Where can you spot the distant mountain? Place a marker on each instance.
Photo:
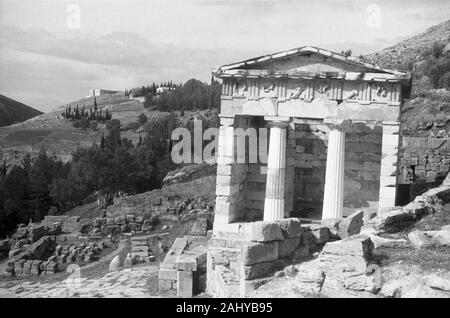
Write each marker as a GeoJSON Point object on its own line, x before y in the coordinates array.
{"type": "Point", "coordinates": [12, 111]}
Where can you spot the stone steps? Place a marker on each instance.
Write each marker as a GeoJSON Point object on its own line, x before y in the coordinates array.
{"type": "Point", "coordinates": [139, 246]}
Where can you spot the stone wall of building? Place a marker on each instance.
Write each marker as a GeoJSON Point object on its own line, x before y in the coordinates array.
{"type": "Point", "coordinates": [362, 168]}
{"type": "Point", "coordinates": [424, 163]}
{"type": "Point", "coordinates": [239, 263]}
{"type": "Point", "coordinates": [306, 159]}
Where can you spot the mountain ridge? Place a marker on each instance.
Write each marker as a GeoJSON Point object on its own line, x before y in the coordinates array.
{"type": "Point", "coordinates": [13, 112]}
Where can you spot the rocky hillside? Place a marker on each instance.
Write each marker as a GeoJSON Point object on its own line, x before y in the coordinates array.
{"type": "Point", "coordinates": [410, 51]}
{"type": "Point", "coordinates": [427, 115]}
{"type": "Point", "coordinates": [427, 111]}
{"type": "Point", "coordinates": [12, 111]}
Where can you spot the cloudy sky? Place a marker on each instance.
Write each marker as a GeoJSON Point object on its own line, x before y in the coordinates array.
{"type": "Point", "coordinates": [65, 43]}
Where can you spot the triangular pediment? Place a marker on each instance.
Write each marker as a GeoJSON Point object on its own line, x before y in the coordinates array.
{"type": "Point", "coordinates": [307, 60]}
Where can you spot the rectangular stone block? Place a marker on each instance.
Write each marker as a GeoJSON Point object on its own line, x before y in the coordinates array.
{"type": "Point", "coordinates": [184, 263]}
{"type": "Point", "coordinates": [254, 253]}
{"type": "Point", "coordinates": [287, 246]}
{"type": "Point", "coordinates": [227, 190]}
{"type": "Point", "coordinates": [185, 284]}
{"type": "Point", "coordinates": [225, 170]}
{"type": "Point", "coordinates": [169, 262]}
{"type": "Point", "coordinates": [167, 274]}
{"type": "Point", "coordinates": [166, 285]}
{"type": "Point", "coordinates": [265, 232]}
{"type": "Point", "coordinates": [259, 270]}
{"type": "Point", "coordinates": [290, 227]}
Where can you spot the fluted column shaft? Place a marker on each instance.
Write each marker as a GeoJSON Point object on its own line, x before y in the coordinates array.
{"type": "Point", "coordinates": [333, 201]}
{"type": "Point", "coordinates": [276, 171]}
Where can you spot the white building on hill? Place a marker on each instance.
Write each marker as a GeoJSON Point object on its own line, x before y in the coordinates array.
{"type": "Point", "coordinates": [99, 91]}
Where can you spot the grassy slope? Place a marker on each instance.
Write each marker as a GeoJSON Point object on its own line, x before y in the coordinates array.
{"type": "Point", "coordinates": [59, 136]}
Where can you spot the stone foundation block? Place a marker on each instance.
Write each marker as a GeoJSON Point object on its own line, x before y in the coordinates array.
{"type": "Point", "coordinates": [290, 227]}
{"type": "Point", "coordinates": [288, 246]}
{"type": "Point", "coordinates": [167, 274]}
{"type": "Point", "coordinates": [185, 284]}
{"type": "Point", "coordinates": [254, 253]}
{"type": "Point", "coordinates": [248, 286]}
{"type": "Point", "coordinates": [265, 232]}
{"type": "Point", "coordinates": [184, 263]}
{"type": "Point", "coordinates": [165, 285]}
{"type": "Point", "coordinates": [353, 246]}
{"type": "Point", "coordinates": [261, 270]}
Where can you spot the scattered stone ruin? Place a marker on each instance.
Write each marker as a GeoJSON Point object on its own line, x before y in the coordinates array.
{"type": "Point", "coordinates": [183, 270]}
{"type": "Point", "coordinates": [40, 249]}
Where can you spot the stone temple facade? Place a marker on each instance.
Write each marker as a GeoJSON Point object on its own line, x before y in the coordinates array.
{"type": "Point", "coordinates": [333, 137]}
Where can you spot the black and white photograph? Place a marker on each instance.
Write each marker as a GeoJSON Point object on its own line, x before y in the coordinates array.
{"type": "Point", "coordinates": [224, 154]}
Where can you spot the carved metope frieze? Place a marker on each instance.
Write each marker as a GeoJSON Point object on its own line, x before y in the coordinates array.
{"type": "Point", "coordinates": [298, 92]}
{"type": "Point", "coordinates": [352, 95]}
{"type": "Point", "coordinates": [330, 89]}
{"type": "Point", "coordinates": [387, 92]}
{"type": "Point", "coordinates": [304, 90]}
{"type": "Point", "coordinates": [381, 91]}
{"type": "Point", "coordinates": [269, 87]}
{"type": "Point", "coordinates": [324, 88]}
{"type": "Point", "coordinates": [241, 87]}
{"type": "Point", "coordinates": [307, 90]}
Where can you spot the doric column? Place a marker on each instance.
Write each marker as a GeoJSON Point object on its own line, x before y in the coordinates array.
{"type": "Point", "coordinates": [389, 161]}
{"type": "Point", "coordinates": [333, 200]}
{"type": "Point", "coordinates": [276, 169]}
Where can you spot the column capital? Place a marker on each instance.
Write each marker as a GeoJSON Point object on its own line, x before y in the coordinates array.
{"type": "Point", "coordinates": [278, 121]}
{"type": "Point", "coordinates": [344, 125]}
{"type": "Point", "coordinates": [226, 120]}
{"type": "Point", "coordinates": [390, 123]}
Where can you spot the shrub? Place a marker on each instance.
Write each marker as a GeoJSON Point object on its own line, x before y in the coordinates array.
{"type": "Point", "coordinates": [93, 125]}
{"type": "Point", "coordinates": [76, 124]}
{"type": "Point", "coordinates": [444, 81]}
{"type": "Point", "coordinates": [154, 220]}
{"type": "Point", "coordinates": [142, 119]}
{"type": "Point", "coordinates": [84, 123]}
{"type": "Point", "coordinates": [133, 126]}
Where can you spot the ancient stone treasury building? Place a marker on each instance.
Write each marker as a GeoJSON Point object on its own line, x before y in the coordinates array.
{"type": "Point", "coordinates": [333, 127]}
{"type": "Point", "coordinates": [333, 136]}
